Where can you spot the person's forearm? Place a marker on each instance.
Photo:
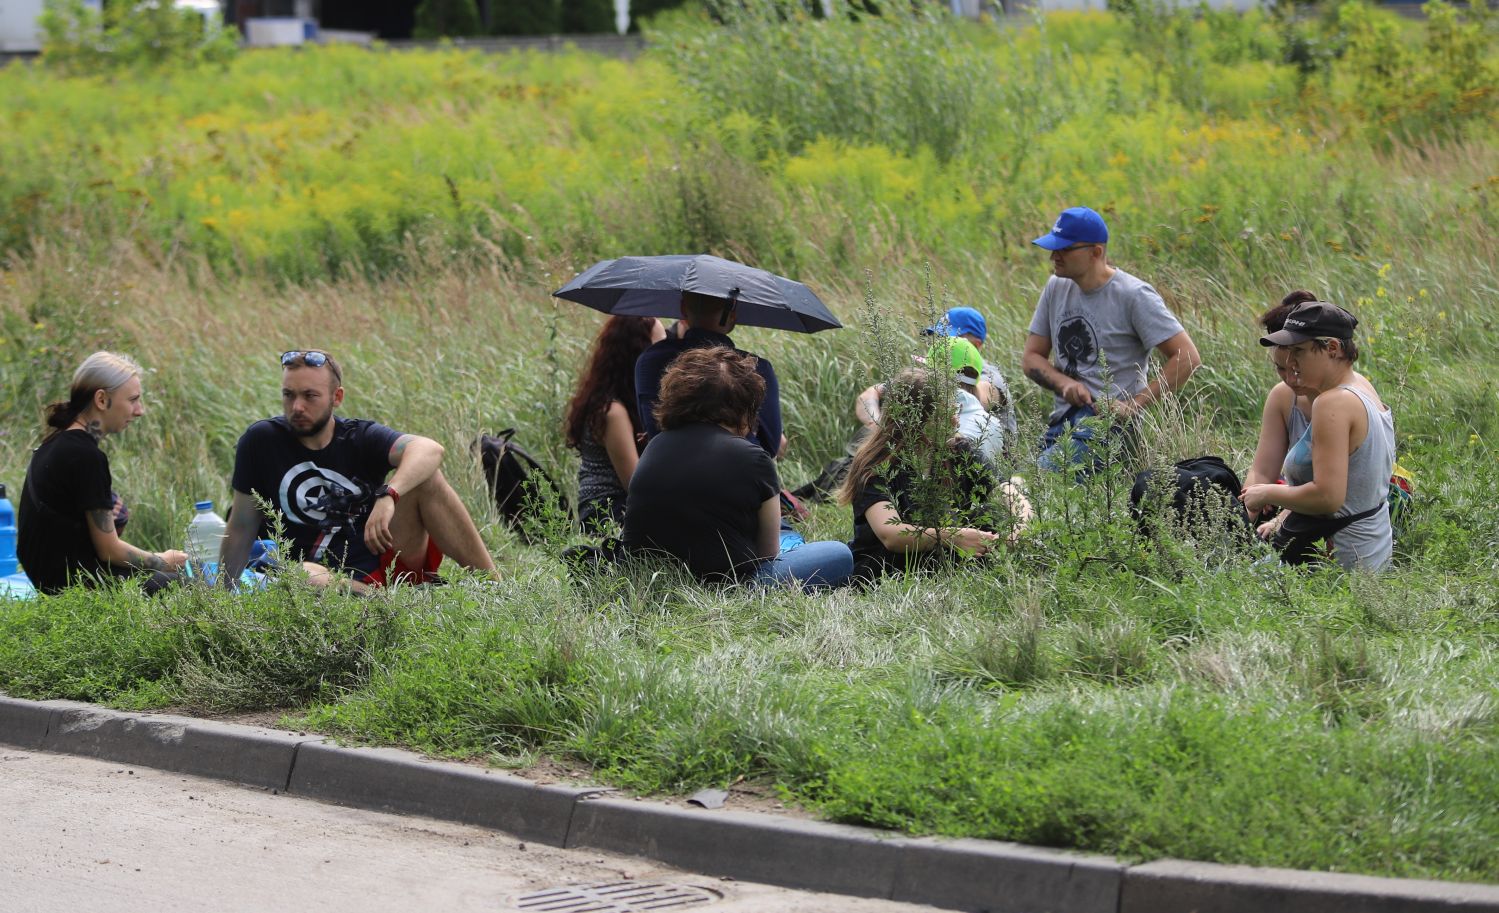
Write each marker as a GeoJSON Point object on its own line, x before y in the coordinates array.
{"type": "Point", "coordinates": [1305, 499]}
{"type": "Point", "coordinates": [234, 554]}
{"type": "Point", "coordinates": [418, 461]}
{"type": "Point", "coordinates": [906, 538]}
{"type": "Point", "coordinates": [116, 552]}
{"type": "Point", "coordinates": [1174, 375]}
{"type": "Point", "coordinates": [1042, 372]}
{"type": "Point", "coordinates": [138, 559]}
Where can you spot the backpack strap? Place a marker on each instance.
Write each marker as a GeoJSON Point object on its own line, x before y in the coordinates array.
{"type": "Point", "coordinates": [1300, 532]}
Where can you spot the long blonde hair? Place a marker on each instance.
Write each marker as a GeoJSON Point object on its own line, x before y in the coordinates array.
{"type": "Point", "coordinates": [105, 371]}
{"type": "Point", "coordinates": [916, 411]}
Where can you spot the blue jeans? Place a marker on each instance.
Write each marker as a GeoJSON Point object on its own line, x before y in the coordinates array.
{"type": "Point", "coordinates": [1068, 443]}
{"type": "Point", "coordinates": [816, 565]}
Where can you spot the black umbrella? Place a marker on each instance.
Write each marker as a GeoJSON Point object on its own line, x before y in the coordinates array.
{"type": "Point", "coordinates": [653, 287]}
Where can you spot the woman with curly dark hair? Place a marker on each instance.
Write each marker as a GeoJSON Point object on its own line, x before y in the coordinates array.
{"type": "Point", "coordinates": [602, 424]}
{"type": "Point", "coordinates": [706, 496]}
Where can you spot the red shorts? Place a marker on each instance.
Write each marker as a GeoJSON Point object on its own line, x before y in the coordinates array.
{"type": "Point", "coordinates": [381, 576]}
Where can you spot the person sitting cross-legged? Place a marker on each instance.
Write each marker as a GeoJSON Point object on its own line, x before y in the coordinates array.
{"type": "Point", "coordinates": [706, 496]}
{"type": "Point", "coordinates": [919, 492]}
{"type": "Point", "coordinates": [68, 529]}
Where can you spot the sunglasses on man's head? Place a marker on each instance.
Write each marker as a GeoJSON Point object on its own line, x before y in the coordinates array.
{"type": "Point", "coordinates": [313, 359]}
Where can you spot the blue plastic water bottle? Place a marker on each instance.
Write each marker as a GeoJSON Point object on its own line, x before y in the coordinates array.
{"type": "Point", "coordinates": [7, 535]}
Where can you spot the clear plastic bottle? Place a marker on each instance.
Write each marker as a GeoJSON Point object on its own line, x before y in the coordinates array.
{"type": "Point", "coordinates": [205, 533]}
{"type": "Point", "coordinates": [7, 535]}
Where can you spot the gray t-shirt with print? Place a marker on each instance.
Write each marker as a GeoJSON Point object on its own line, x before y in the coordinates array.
{"type": "Point", "coordinates": [1103, 334]}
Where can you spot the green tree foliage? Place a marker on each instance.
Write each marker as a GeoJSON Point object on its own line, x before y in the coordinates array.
{"type": "Point", "coordinates": [152, 35]}
{"type": "Point", "coordinates": [447, 19]}
{"type": "Point", "coordinates": [526, 17]}
{"type": "Point", "coordinates": [641, 9]}
{"type": "Point", "coordinates": [584, 16]}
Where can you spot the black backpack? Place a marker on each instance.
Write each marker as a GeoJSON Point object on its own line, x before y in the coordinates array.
{"type": "Point", "coordinates": [1204, 489]}
{"type": "Point", "coordinates": [522, 489]}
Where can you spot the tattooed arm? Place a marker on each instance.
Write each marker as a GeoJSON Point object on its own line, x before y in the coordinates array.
{"type": "Point", "coordinates": [416, 460]}
{"type": "Point", "coordinates": [116, 551]}
{"type": "Point", "coordinates": [1036, 362]}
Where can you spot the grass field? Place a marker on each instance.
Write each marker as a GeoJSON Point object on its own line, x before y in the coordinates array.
{"type": "Point", "coordinates": [1093, 688]}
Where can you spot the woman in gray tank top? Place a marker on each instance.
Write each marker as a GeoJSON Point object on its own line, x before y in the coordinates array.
{"type": "Point", "coordinates": [1287, 411]}
{"type": "Point", "coordinates": [1337, 474]}
{"type": "Point", "coordinates": [601, 422]}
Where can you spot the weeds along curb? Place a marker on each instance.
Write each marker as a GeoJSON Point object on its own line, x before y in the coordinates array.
{"type": "Point", "coordinates": [977, 875]}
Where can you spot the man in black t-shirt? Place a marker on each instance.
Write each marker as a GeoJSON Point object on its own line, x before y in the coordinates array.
{"type": "Point", "coordinates": [706, 321]}
{"type": "Point", "coordinates": [326, 479]}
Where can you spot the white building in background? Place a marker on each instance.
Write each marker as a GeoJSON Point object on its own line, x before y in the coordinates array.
{"type": "Point", "coordinates": [20, 21]}
{"type": "Point", "coordinates": [20, 31]}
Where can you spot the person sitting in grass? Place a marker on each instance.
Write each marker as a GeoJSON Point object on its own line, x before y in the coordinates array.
{"type": "Point", "coordinates": [920, 495]}
{"type": "Point", "coordinates": [1090, 340]}
{"type": "Point", "coordinates": [1287, 411]}
{"type": "Point", "coordinates": [1338, 473]}
{"type": "Point", "coordinates": [66, 524]}
{"type": "Point", "coordinates": [325, 478]}
{"type": "Point", "coordinates": [977, 424]}
{"type": "Point", "coordinates": [706, 496]}
{"type": "Point", "coordinates": [991, 390]}
{"type": "Point", "coordinates": [986, 428]}
{"type": "Point", "coordinates": [602, 424]}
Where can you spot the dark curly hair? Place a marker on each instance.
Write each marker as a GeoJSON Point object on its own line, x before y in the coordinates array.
{"type": "Point", "coordinates": [714, 385]}
{"type": "Point", "coordinates": [610, 376]}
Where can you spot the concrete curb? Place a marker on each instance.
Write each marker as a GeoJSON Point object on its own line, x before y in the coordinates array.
{"type": "Point", "coordinates": [1172, 884]}
{"type": "Point", "coordinates": [787, 852]}
{"type": "Point", "coordinates": [243, 754]}
{"type": "Point", "coordinates": [386, 779]}
{"type": "Point", "coordinates": [977, 875]}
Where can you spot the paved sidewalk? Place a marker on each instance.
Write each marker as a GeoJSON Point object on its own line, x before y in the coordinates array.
{"type": "Point", "coordinates": [82, 835]}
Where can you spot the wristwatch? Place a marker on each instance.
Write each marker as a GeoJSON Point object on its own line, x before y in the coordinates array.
{"type": "Point", "coordinates": [386, 491]}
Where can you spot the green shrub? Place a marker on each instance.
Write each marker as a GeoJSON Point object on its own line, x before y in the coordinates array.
{"type": "Point", "coordinates": [149, 34]}
{"type": "Point", "coordinates": [446, 19]}
{"type": "Point", "coordinates": [525, 17]}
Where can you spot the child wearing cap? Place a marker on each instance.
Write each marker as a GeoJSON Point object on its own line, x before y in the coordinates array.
{"type": "Point", "coordinates": [992, 391]}
{"type": "Point", "coordinates": [978, 425]}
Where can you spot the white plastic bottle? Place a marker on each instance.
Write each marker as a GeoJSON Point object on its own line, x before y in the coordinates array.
{"type": "Point", "coordinates": [205, 533]}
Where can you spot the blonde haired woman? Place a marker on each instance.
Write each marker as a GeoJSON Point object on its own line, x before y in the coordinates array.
{"type": "Point", "coordinates": [893, 529]}
{"type": "Point", "coordinates": [65, 524]}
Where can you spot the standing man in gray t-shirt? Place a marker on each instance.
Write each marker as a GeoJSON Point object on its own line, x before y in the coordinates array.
{"type": "Point", "coordinates": [1101, 322]}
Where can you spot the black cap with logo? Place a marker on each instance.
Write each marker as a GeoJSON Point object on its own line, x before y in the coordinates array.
{"type": "Point", "coordinates": [1313, 320]}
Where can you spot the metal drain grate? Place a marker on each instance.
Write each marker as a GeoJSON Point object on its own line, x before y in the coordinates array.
{"type": "Point", "coordinates": [616, 897]}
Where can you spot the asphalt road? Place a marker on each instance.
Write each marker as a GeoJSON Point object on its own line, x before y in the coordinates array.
{"type": "Point", "coordinates": [81, 835]}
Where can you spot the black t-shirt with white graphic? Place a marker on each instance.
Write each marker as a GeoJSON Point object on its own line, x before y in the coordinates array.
{"type": "Point", "coordinates": [68, 477]}
{"type": "Point", "coordinates": [324, 496]}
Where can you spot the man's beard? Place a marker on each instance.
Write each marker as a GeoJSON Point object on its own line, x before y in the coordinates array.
{"type": "Point", "coordinates": [314, 429]}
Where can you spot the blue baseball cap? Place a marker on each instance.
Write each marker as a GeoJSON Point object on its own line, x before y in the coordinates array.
{"type": "Point", "coordinates": [961, 322]}
{"type": "Point", "coordinates": [1078, 225]}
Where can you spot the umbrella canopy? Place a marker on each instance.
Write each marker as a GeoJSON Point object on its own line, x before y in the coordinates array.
{"type": "Point", "coordinates": [653, 287]}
